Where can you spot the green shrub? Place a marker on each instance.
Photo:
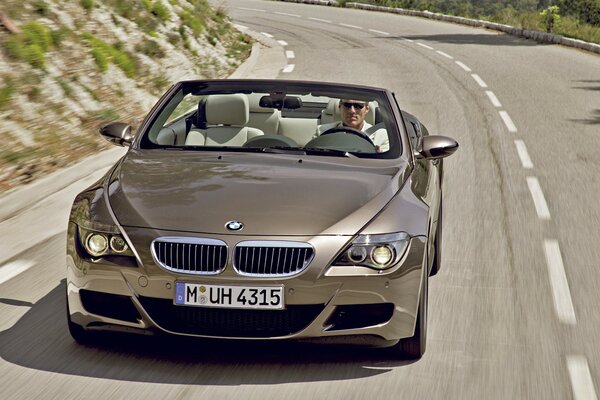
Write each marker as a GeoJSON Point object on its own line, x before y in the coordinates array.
{"type": "Point", "coordinates": [64, 86]}
{"type": "Point", "coordinates": [160, 11]}
{"type": "Point", "coordinates": [87, 4]}
{"type": "Point", "coordinates": [550, 18]}
{"type": "Point", "coordinates": [6, 93]}
{"type": "Point", "coordinates": [150, 48]}
{"type": "Point", "coordinates": [154, 34]}
{"type": "Point", "coordinates": [104, 53]}
{"type": "Point", "coordinates": [38, 34]}
{"type": "Point", "coordinates": [41, 7]}
{"type": "Point", "coordinates": [192, 21]}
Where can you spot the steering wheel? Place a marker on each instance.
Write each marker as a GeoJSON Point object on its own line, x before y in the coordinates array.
{"type": "Point", "coordinates": [347, 129]}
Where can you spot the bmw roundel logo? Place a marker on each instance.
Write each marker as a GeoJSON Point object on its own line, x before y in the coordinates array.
{"type": "Point", "coordinates": [234, 225]}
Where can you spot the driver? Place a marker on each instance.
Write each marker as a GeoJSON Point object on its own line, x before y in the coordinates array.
{"type": "Point", "coordinates": [353, 114]}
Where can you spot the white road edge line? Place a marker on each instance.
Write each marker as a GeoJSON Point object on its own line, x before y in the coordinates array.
{"type": "Point", "coordinates": [241, 27]}
{"type": "Point", "coordinates": [289, 68]}
{"type": "Point", "coordinates": [379, 32]}
{"type": "Point", "coordinates": [508, 121]}
{"type": "Point", "coordinates": [288, 14]}
{"type": "Point", "coordinates": [463, 66]}
{"type": "Point", "coordinates": [267, 34]}
{"type": "Point", "coordinates": [251, 9]}
{"type": "Point", "coordinates": [493, 98]}
{"type": "Point", "coordinates": [290, 54]}
{"type": "Point", "coordinates": [523, 154]}
{"type": "Point", "coordinates": [581, 379]}
{"type": "Point", "coordinates": [444, 54]}
{"type": "Point", "coordinates": [539, 201]}
{"type": "Point", "coordinates": [558, 280]}
{"type": "Point", "coordinates": [14, 268]}
{"type": "Point", "coordinates": [282, 42]}
{"type": "Point", "coordinates": [320, 20]}
{"type": "Point", "coordinates": [479, 81]}
{"type": "Point", "coordinates": [424, 45]}
{"type": "Point", "coordinates": [350, 26]}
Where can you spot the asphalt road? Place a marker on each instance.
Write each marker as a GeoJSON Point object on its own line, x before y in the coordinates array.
{"type": "Point", "coordinates": [513, 313]}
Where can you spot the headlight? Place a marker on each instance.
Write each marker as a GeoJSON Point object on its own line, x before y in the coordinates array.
{"type": "Point", "coordinates": [103, 242]}
{"type": "Point", "coordinates": [374, 251]}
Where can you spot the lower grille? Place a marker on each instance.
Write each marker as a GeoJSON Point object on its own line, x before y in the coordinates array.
{"type": "Point", "coordinates": [109, 305]}
{"type": "Point", "coordinates": [230, 322]}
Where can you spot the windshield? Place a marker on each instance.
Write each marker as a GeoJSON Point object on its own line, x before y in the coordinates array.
{"type": "Point", "coordinates": [312, 120]}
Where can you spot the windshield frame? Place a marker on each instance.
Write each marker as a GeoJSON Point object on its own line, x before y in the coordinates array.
{"type": "Point", "coordinates": [384, 98]}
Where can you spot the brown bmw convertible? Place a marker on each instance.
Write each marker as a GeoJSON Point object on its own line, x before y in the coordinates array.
{"type": "Point", "coordinates": [263, 210]}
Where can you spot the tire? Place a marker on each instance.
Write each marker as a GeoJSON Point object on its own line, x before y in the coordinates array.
{"type": "Point", "coordinates": [437, 247]}
{"type": "Point", "coordinates": [414, 347]}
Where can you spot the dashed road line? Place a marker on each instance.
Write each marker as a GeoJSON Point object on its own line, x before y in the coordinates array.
{"type": "Point", "coordinates": [463, 66]}
{"type": "Point", "coordinates": [539, 201]}
{"type": "Point", "coordinates": [479, 81]}
{"type": "Point", "coordinates": [251, 9]}
{"type": "Point", "coordinates": [424, 45]}
{"type": "Point", "coordinates": [14, 268]}
{"type": "Point", "coordinates": [510, 125]}
{"type": "Point", "coordinates": [350, 26]}
{"type": "Point", "coordinates": [282, 42]}
{"type": "Point", "coordinates": [267, 34]}
{"type": "Point", "coordinates": [288, 14]}
{"type": "Point", "coordinates": [408, 40]}
{"type": "Point", "coordinates": [289, 68]}
{"type": "Point", "coordinates": [581, 378]}
{"type": "Point", "coordinates": [493, 98]}
{"type": "Point", "coordinates": [290, 54]}
{"type": "Point", "coordinates": [523, 154]}
{"type": "Point", "coordinates": [320, 20]}
{"type": "Point", "coordinates": [558, 281]}
{"type": "Point", "coordinates": [444, 54]}
{"type": "Point", "coordinates": [379, 32]}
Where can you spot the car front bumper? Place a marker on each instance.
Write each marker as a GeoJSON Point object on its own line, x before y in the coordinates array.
{"type": "Point", "coordinates": [319, 302]}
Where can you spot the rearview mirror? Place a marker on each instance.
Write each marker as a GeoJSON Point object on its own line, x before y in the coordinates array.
{"type": "Point", "coordinates": [435, 146]}
{"type": "Point", "coordinates": [117, 133]}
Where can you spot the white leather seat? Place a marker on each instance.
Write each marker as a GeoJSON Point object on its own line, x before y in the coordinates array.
{"type": "Point", "coordinates": [226, 119]}
{"type": "Point", "coordinates": [265, 119]}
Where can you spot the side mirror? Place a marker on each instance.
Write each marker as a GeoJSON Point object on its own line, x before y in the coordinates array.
{"type": "Point", "coordinates": [117, 133]}
{"type": "Point", "coordinates": [435, 146]}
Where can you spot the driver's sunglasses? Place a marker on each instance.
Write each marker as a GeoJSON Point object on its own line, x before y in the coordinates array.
{"type": "Point", "coordinates": [357, 106]}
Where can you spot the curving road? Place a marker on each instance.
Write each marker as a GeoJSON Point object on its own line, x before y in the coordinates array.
{"type": "Point", "coordinates": [513, 313]}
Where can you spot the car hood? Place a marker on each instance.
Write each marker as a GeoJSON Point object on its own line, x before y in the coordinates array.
{"type": "Point", "coordinates": [271, 194]}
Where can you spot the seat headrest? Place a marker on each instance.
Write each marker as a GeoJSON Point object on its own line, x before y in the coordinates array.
{"type": "Point", "coordinates": [333, 110]}
{"type": "Point", "coordinates": [200, 120]}
{"type": "Point", "coordinates": [227, 109]}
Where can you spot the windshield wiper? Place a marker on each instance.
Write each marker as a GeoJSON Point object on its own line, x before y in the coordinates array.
{"type": "Point", "coordinates": [311, 151]}
{"type": "Point", "coordinates": [328, 152]}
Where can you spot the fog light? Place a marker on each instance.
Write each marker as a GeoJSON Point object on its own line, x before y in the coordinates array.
{"type": "Point", "coordinates": [382, 255]}
{"type": "Point", "coordinates": [357, 254]}
{"type": "Point", "coordinates": [96, 244]}
{"type": "Point", "coordinates": [118, 244]}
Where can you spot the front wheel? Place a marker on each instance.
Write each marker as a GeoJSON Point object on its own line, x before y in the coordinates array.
{"type": "Point", "coordinates": [414, 347]}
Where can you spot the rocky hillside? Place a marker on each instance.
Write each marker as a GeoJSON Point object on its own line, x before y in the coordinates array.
{"type": "Point", "coordinates": [68, 66]}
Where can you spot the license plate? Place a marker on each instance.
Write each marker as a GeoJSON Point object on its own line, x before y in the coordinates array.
{"type": "Point", "coordinates": [229, 296]}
